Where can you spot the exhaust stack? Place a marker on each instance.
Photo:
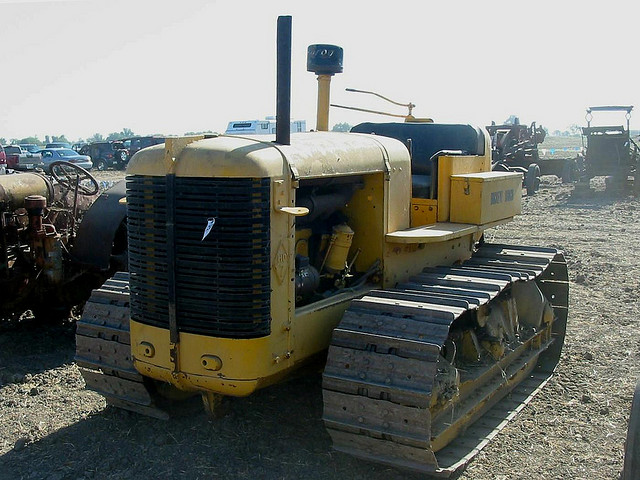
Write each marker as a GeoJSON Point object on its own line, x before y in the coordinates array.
{"type": "Point", "coordinates": [283, 81]}
{"type": "Point", "coordinates": [325, 61]}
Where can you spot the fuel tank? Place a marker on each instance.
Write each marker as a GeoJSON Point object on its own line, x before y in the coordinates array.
{"type": "Point", "coordinates": [16, 187]}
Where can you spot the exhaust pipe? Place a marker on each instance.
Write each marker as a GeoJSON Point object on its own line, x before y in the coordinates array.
{"type": "Point", "coordinates": [325, 61]}
{"type": "Point", "coordinates": [283, 81]}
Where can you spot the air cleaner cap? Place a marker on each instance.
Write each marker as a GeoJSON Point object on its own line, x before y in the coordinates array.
{"type": "Point", "coordinates": [323, 59]}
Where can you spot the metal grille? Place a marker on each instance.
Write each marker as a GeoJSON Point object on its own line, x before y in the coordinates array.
{"type": "Point", "coordinates": [222, 282]}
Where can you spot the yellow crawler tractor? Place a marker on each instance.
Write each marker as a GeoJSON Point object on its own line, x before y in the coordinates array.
{"type": "Point", "coordinates": [250, 258]}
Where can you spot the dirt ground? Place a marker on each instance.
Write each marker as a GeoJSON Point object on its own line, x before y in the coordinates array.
{"type": "Point", "coordinates": [51, 428]}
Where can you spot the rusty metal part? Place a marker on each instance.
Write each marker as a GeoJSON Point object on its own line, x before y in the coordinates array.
{"type": "Point", "coordinates": [515, 144]}
{"type": "Point", "coordinates": [390, 394]}
{"type": "Point", "coordinates": [35, 202]}
{"type": "Point", "coordinates": [407, 118]}
{"type": "Point", "coordinates": [15, 188]}
{"type": "Point", "coordinates": [35, 205]}
{"type": "Point", "coordinates": [95, 244]}
{"type": "Point", "coordinates": [103, 350]}
{"type": "Point", "coordinates": [72, 177]}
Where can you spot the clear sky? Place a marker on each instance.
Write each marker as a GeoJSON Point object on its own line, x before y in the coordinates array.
{"type": "Point", "coordinates": [96, 66]}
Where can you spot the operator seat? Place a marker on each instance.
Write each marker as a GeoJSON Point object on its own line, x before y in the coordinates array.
{"type": "Point", "coordinates": [427, 139]}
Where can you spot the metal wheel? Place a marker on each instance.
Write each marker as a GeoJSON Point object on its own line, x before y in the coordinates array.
{"type": "Point", "coordinates": [532, 179]}
{"type": "Point", "coordinates": [71, 176]}
{"type": "Point", "coordinates": [101, 165]}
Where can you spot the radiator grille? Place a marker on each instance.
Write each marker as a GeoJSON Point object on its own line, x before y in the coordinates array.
{"type": "Point", "coordinates": [222, 282]}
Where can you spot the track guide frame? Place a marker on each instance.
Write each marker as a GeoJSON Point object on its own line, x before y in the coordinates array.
{"type": "Point", "coordinates": [383, 362]}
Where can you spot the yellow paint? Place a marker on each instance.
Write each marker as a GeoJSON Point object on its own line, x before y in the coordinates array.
{"type": "Point", "coordinates": [173, 147]}
{"type": "Point", "coordinates": [314, 323]}
{"type": "Point", "coordinates": [237, 367]}
{"type": "Point", "coordinates": [424, 211]}
{"type": "Point", "coordinates": [338, 250]}
{"type": "Point", "coordinates": [241, 366]}
{"type": "Point", "coordinates": [310, 155]}
{"type": "Point", "coordinates": [364, 214]}
{"type": "Point", "coordinates": [324, 93]}
{"type": "Point", "coordinates": [244, 363]}
{"type": "Point", "coordinates": [485, 197]}
{"type": "Point", "coordinates": [302, 241]}
{"type": "Point", "coordinates": [452, 165]}
{"type": "Point", "coordinates": [380, 214]}
{"type": "Point", "coordinates": [470, 346]}
{"type": "Point", "coordinates": [403, 260]}
{"type": "Point", "coordinates": [438, 232]}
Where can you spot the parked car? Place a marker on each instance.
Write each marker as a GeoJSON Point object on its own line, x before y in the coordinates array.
{"type": "Point", "coordinates": [135, 144]}
{"type": "Point", "coordinates": [20, 159]}
{"type": "Point", "coordinates": [12, 153]}
{"type": "Point", "coordinates": [3, 161]}
{"type": "Point", "coordinates": [30, 147]}
{"type": "Point", "coordinates": [50, 155]}
{"type": "Point", "coordinates": [107, 154]}
{"type": "Point", "coordinates": [58, 145]}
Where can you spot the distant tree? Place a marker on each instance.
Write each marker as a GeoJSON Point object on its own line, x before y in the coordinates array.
{"type": "Point", "coordinates": [207, 132]}
{"type": "Point", "coordinates": [341, 127]}
{"type": "Point", "coordinates": [35, 140]}
{"type": "Point", "coordinates": [575, 130]}
{"type": "Point", "coordinates": [60, 138]}
{"type": "Point", "coordinates": [3, 141]}
{"type": "Point", "coordinates": [96, 137]}
{"type": "Point", "coordinates": [114, 136]}
{"type": "Point", "coordinates": [125, 133]}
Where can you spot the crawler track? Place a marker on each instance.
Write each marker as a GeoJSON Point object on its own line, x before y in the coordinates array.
{"type": "Point", "coordinates": [385, 361]}
{"type": "Point", "coordinates": [383, 384]}
{"type": "Point", "coordinates": [103, 350]}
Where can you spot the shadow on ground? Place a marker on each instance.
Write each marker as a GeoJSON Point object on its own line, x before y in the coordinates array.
{"type": "Point", "coordinates": [30, 347]}
{"type": "Point", "coordinates": [276, 433]}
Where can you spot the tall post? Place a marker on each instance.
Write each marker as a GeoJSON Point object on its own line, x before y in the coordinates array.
{"type": "Point", "coordinates": [283, 81]}
{"type": "Point", "coordinates": [324, 96]}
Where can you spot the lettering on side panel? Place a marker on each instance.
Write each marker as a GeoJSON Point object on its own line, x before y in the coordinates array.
{"type": "Point", "coordinates": [508, 195]}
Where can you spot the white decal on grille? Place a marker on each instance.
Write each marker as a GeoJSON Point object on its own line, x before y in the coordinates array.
{"type": "Point", "coordinates": [207, 230]}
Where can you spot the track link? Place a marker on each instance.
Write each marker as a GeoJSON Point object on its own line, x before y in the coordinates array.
{"type": "Point", "coordinates": [384, 363]}
{"type": "Point", "coordinates": [103, 350]}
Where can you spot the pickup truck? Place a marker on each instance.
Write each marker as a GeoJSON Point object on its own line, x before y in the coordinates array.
{"type": "Point", "coordinates": [3, 161]}
{"type": "Point", "coordinates": [19, 159]}
{"type": "Point", "coordinates": [30, 147]}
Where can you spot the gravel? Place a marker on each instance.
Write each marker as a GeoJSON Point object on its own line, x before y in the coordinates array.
{"type": "Point", "coordinates": [52, 428]}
